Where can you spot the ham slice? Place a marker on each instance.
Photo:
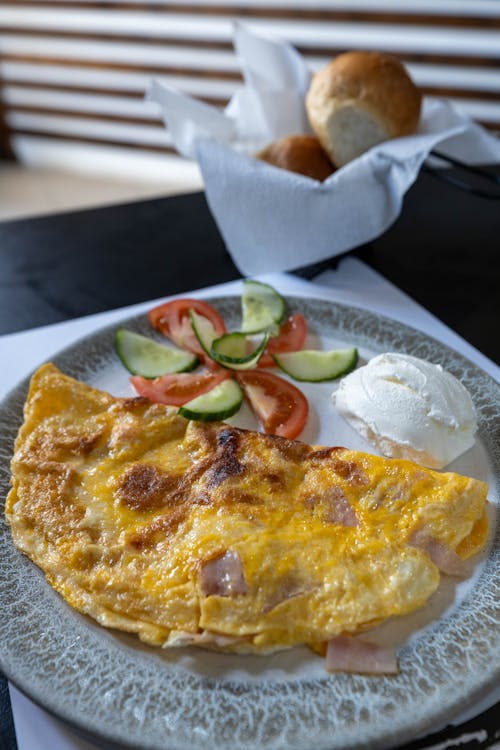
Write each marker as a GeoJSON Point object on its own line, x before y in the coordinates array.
{"type": "Point", "coordinates": [445, 558]}
{"type": "Point", "coordinates": [337, 507]}
{"type": "Point", "coordinates": [288, 588]}
{"type": "Point", "coordinates": [340, 511]}
{"type": "Point", "coordinates": [205, 638]}
{"type": "Point", "coordinates": [223, 576]}
{"type": "Point", "coordinates": [348, 654]}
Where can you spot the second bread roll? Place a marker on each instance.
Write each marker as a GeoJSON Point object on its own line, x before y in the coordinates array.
{"type": "Point", "coordinates": [361, 99]}
{"type": "Point", "coordinates": [299, 153]}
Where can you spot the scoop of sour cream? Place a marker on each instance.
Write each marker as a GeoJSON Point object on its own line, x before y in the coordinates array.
{"type": "Point", "coordinates": [409, 408]}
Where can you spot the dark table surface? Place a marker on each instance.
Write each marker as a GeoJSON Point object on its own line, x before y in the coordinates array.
{"type": "Point", "coordinates": [443, 251]}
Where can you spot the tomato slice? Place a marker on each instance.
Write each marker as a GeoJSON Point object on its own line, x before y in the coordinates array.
{"type": "Point", "coordinates": [172, 319]}
{"type": "Point", "coordinates": [179, 388]}
{"type": "Point", "coordinates": [278, 405]}
{"type": "Point", "coordinates": [291, 338]}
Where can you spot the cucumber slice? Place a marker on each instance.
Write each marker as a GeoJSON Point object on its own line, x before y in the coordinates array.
{"type": "Point", "coordinates": [220, 403]}
{"type": "Point", "coordinates": [235, 351]}
{"type": "Point", "coordinates": [143, 356]}
{"type": "Point", "coordinates": [203, 330]}
{"type": "Point", "coordinates": [314, 366]}
{"type": "Point", "coordinates": [262, 307]}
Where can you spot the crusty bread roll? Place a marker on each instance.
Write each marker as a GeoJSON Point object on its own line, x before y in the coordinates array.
{"type": "Point", "coordinates": [299, 153]}
{"type": "Point", "coordinates": [359, 100]}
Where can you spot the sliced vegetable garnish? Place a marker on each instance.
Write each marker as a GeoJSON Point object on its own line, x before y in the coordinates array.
{"type": "Point", "coordinates": [291, 338]}
{"type": "Point", "coordinates": [204, 331]}
{"type": "Point", "coordinates": [143, 356]}
{"type": "Point", "coordinates": [262, 307]}
{"type": "Point", "coordinates": [278, 405]}
{"type": "Point", "coordinates": [314, 366]}
{"type": "Point", "coordinates": [172, 319]}
{"type": "Point", "coordinates": [237, 351]}
{"type": "Point", "coordinates": [220, 403]}
{"type": "Point", "coordinates": [196, 327]}
{"type": "Point", "coordinates": [176, 390]}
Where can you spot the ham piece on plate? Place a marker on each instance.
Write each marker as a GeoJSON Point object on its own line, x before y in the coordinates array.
{"type": "Point", "coordinates": [346, 653]}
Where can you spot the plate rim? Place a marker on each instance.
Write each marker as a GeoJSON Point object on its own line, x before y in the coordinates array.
{"type": "Point", "coordinates": [485, 686]}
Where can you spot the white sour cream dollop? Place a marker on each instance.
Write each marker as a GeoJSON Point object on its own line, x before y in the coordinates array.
{"type": "Point", "coordinates": [409, 408]}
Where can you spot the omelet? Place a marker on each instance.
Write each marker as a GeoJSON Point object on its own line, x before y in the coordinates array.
{"type": "Point", "coordinates": [205, 534]}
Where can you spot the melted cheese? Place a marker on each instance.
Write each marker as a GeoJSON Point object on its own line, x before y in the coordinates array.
{"type": "Point", "coordinates": [122, 502]}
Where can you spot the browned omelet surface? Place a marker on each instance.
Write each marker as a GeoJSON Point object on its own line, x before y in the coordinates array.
{"type": "Point", "coordinates": [130, 510]}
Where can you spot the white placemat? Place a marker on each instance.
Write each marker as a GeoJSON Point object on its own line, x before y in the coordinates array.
{"type": "Point", "coordinates": [352, 283]}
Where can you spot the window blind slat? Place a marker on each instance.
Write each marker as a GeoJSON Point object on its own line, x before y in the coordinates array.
{"type": "Point", "coordinates": [478, 15]}
{"type": "Point", "coordinates": [75, 71]}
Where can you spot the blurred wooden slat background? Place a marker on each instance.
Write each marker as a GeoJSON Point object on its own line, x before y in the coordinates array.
{"type": "Point", "coordinates": [73, 72]}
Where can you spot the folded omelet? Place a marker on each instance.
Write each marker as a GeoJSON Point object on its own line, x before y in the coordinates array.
{"type": "Point", "coordinates": [185, 532]}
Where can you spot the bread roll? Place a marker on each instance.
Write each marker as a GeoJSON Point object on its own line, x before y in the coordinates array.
{"type": "Point", "coordinates": [361, 99]}
{"type": "Point", "coordinates": [299, 153]}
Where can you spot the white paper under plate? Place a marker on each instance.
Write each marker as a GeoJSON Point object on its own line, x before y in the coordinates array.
{"type": "Point", "coordinates": [112, 685]}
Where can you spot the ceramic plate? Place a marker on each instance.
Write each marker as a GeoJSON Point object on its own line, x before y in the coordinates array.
{"type": "Point", "coordinates": [110, 685]}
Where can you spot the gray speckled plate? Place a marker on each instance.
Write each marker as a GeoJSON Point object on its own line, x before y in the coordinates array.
{"type": "Point", "coordinates": [110, 685]}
